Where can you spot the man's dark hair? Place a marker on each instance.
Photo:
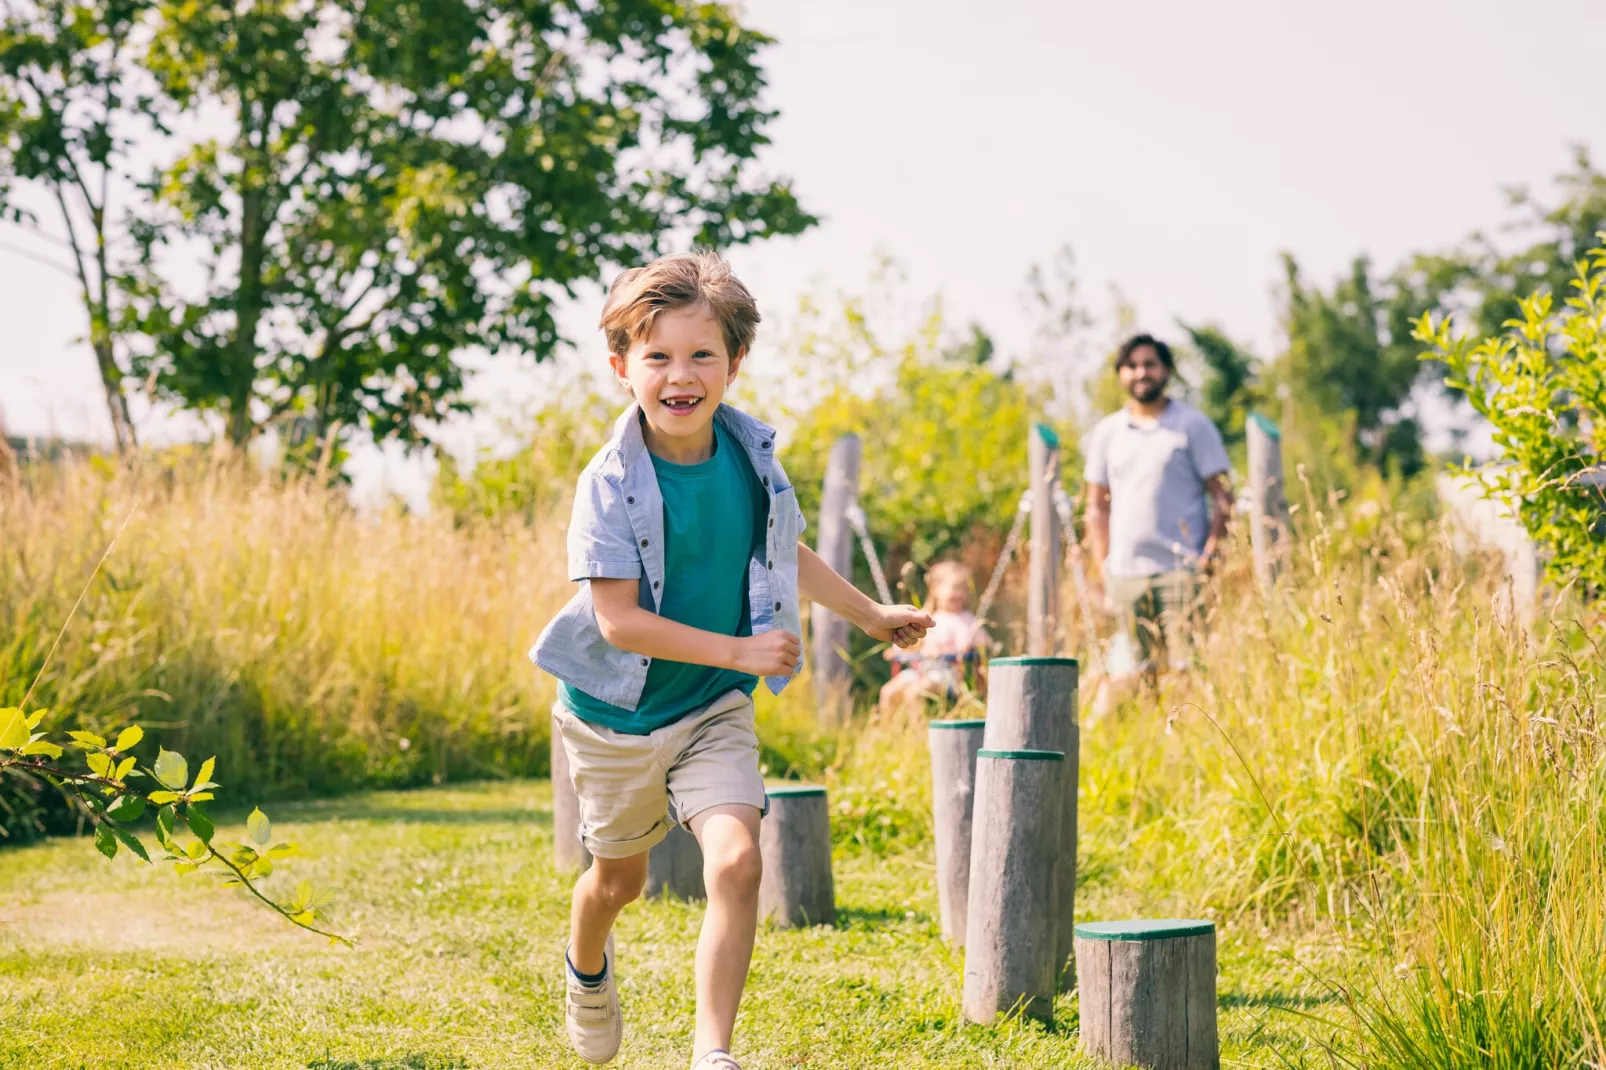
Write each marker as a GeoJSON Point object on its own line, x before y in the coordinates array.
{"type": "Point", "coordinates": [1137, 342]}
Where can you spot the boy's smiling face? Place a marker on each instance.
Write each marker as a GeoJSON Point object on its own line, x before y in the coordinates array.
{"type": "Point", "coordinates": [678, 373]}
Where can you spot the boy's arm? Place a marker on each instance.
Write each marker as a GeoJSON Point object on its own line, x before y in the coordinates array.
{"type": "Point", "coordinates": [624, 624]}
{"type": "Point", "coordinates": [818, 582]}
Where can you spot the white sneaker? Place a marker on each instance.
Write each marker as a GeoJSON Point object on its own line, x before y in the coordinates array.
{"type": "Point", "coordinates": [595, 1027]}
{"type": "Point", "coordinates": [718, 1059]}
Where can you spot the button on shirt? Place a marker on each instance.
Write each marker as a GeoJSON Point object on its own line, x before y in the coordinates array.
{"type": "Point", "coordinates": [617, 531]}
{"type": "Point", "coordinates": [1156, 472]}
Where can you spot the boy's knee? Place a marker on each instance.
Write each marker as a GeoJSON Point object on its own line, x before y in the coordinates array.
{"type": "Point", "coordinates": [619, 884]}
{"type": "Point", "coordinates": [735, 870]}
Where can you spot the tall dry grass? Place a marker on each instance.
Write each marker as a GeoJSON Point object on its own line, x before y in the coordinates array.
{"type": "Point", "coordinates": [310, 648]}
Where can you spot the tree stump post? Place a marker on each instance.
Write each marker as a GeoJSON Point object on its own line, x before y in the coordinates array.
{"type": "Point", "coordinates": [834, 544]}
{"type": "Point", "coordinates": [1031, 705]}
{"type": "Point", "coordinates": [1043, 576]}
{"type": "Point", "coordinates": [568, 853]}
{"type": "Point", "coordinates": [1268, 501]}
{"type": "Point", "coordinates": [1148, 993]}
{"type": "Point", "coordinates": [1009, 944]}
{"type": "Point", "coordinates": [953, 782]}
{"type": "Point", "coordinates": [794, 841]}
{"type": "Point", "coordinates": [675, 867]}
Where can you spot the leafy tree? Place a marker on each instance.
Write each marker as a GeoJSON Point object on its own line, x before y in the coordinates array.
{"type": "Point", "coordinates": [71, 102]}
{"type": "Point", "coordinates": [1541, 384]}
{"type": "Point", "coordinates": [401, 179]}
{"type": "Point", "coordinates": [1226, 391]}
{"type": "Point", "coordinates": [1350, 352]}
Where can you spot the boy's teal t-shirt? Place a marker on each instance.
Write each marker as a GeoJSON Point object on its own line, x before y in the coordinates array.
{"type": "Point", "coordinates": [713, 515]}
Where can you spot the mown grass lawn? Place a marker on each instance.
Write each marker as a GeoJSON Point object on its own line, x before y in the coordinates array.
{"type": "Point", "coordinates": [462, 921]}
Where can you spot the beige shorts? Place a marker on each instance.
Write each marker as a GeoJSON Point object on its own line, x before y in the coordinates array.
{"type": "Point", "coordinates": [631, 787]}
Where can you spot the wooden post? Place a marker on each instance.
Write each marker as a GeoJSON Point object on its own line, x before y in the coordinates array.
{"type": "Point", "coordinates": [953, 781]}
{"type": "Point", "coordinates": [1268, 501]}
{"type": "Point", "coordinates": [568, 853]}
{"type": "Point", "coordinates": [1031, 704]}
{"type": "Point", "coordinates": [834, 544]}
{"type": "Point", "coordinates": [675, 867]}
{"type": "Point", "coordinates": [794, 841]}
{"type": "Point", "coordinates": [1043, 580]}
{"type": "Point", "coordinates": [1148, 993]}
{"type": "Point", "coordinates": [1009, 930]}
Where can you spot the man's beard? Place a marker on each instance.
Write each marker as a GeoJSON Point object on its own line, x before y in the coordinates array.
{"type": "Point", "coordinates": [1143, 393]}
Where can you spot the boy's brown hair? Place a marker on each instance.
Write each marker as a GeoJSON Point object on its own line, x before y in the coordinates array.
{"type": "Point", "coordinates": [676, 281]}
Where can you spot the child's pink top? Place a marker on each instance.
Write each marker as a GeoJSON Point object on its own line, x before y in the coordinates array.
{"type": "Point", "coordinates": [954, 633]}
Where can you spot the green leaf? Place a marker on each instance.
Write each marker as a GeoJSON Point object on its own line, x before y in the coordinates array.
{"type": "Point", "coordinates": [282, 850]}
{"type": "Point", "coordinates": [203, 779]}
{"type": "Point", "coordinates": [124, 767]}
{"type": "Point", "coordinates": [183, 868]}
{"type": "Point", "coordinates": [303, 895]}
{"type": "Point", "coordinates": [88, 739]}
{"type": "Point", "coordinates": [126, 808]}
{"type": "Point", "coordinates": [42, 746]}
{"type": "Point", "coordinates": [259, 827]}
{"type": "Point", "coordinates": [305, 917]}
{"type": "Point", "coordinates": [262, 867]}
{"type": "Point", "coordinates": [13, 729]}
{"type": "Point", "coordinates": [131, 841]}
{"type": "Point", "coordinates": [195, 849]}
{"type": "Point", "coordinates": [200, 796]}
{"type": "Point", "coordinates": [162, 797]}
{"type": "Point", "coordinates": [243, 857]}
{"type": "Point", "coordinates": [231, 882]}
{"type": "Point", "coordinates": [200, 822]}
{"type": "Point", "coordinates": [171, 769]}
{"type": "Point", "coordinates": [105, 842]}
{"type": "Point", "coordinates": [128, 737]}
{"type": "Point", "coordinates": [164, 822]}
{"type": "Point", "coordinates": [35, 717]}
{"type": "Point", "coordinates": [100, 765]}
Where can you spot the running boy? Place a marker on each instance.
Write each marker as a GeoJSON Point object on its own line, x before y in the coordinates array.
{"type": "Point", "coordinates": [685, 543]}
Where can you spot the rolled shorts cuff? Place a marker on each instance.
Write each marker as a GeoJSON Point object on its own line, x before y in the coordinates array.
{"type": "Point", "coordinates": [601, 848]}
{"type": "Point", "coordinates": [738, 796]}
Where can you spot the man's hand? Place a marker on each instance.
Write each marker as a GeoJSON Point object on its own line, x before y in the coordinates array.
{"type": "Point", "coordinates": [902, 626]}
{"type": "Point", "coordinates": [774, 653]}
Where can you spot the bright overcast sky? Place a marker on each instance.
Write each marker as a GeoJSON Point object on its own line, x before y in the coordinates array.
{"type": "Point", "coordinates": [1177, 146]}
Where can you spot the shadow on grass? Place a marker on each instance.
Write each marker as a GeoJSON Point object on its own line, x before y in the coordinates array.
{"type": "Point", "coordinates": [1275, 1000]}
{"type": "Point", "coordinates": [858, 919]}
{"type": "Point", "coordinates": [417, 1061]}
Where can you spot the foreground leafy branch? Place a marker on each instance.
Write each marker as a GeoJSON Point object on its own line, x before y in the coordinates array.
{"type": "Point", "coordinates": [104, 790]}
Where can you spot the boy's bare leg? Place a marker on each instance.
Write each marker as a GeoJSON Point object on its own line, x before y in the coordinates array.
{"type": "Point", "coordinates": [731, 870]}
{"type": "Point", "coordinates": [599, 895]}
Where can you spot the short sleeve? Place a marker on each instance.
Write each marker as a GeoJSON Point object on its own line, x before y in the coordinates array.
{"type": "Point", "coordinates": [601, 538]}
{"type": "Point", "coordinates": [1205, 445]}
{"type": "Point", "coordinates": [1097, 468]}
{"type": "Point", "coordinates": [787, 481]}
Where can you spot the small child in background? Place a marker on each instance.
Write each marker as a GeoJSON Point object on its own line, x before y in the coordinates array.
{"type": "Point", "coordinates": [937, 670]}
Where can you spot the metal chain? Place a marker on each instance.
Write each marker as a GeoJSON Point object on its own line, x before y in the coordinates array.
{"type": "Point", "coordinates": [1023, 511]}
{"type": "Point", "coordinates": [860, 525]}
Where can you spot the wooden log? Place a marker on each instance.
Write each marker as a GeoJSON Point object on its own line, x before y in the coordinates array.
{"type": "Point", "coordinates": [834, 544]}
{"type": "Point", "coordinates": [1009, 962]}
{"type": "Point", "coordinates": [1268, 501]}
{"type": "Point", "coordinates": [1148, 993]}
{"type": "Point", "coordinates": [675, 867]}
{"type": "Point", "coordinates": [1043, 577]}
{"type": "Point", "coordinates": [794, 841]}
{"type": "Point", "coordinates": [953, 781]}
{"type": "Point", "coordinates": [1032, 704]}
{"type": "Point", "coordinates": [568, 853]}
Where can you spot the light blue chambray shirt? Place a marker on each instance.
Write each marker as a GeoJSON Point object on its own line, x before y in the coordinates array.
{"type": "Point", "coordinates": [617, 532]}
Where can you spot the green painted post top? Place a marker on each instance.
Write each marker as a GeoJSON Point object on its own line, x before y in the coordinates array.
{"type": "Point", "coordinates": [1146, 929]}
{"type": "Point", "coordinates": [1046, 433]}
{"type": "Point", "coordinates": [793, 789]}
{"type": "Point", "coordinates": [977, 723]}
{"type": "Point", "coordinates": [1072, 662]}
{"type": "Point", "coordinates": [1023, 755]}
{"type": "Point", "coordinates": [1265, 425]}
